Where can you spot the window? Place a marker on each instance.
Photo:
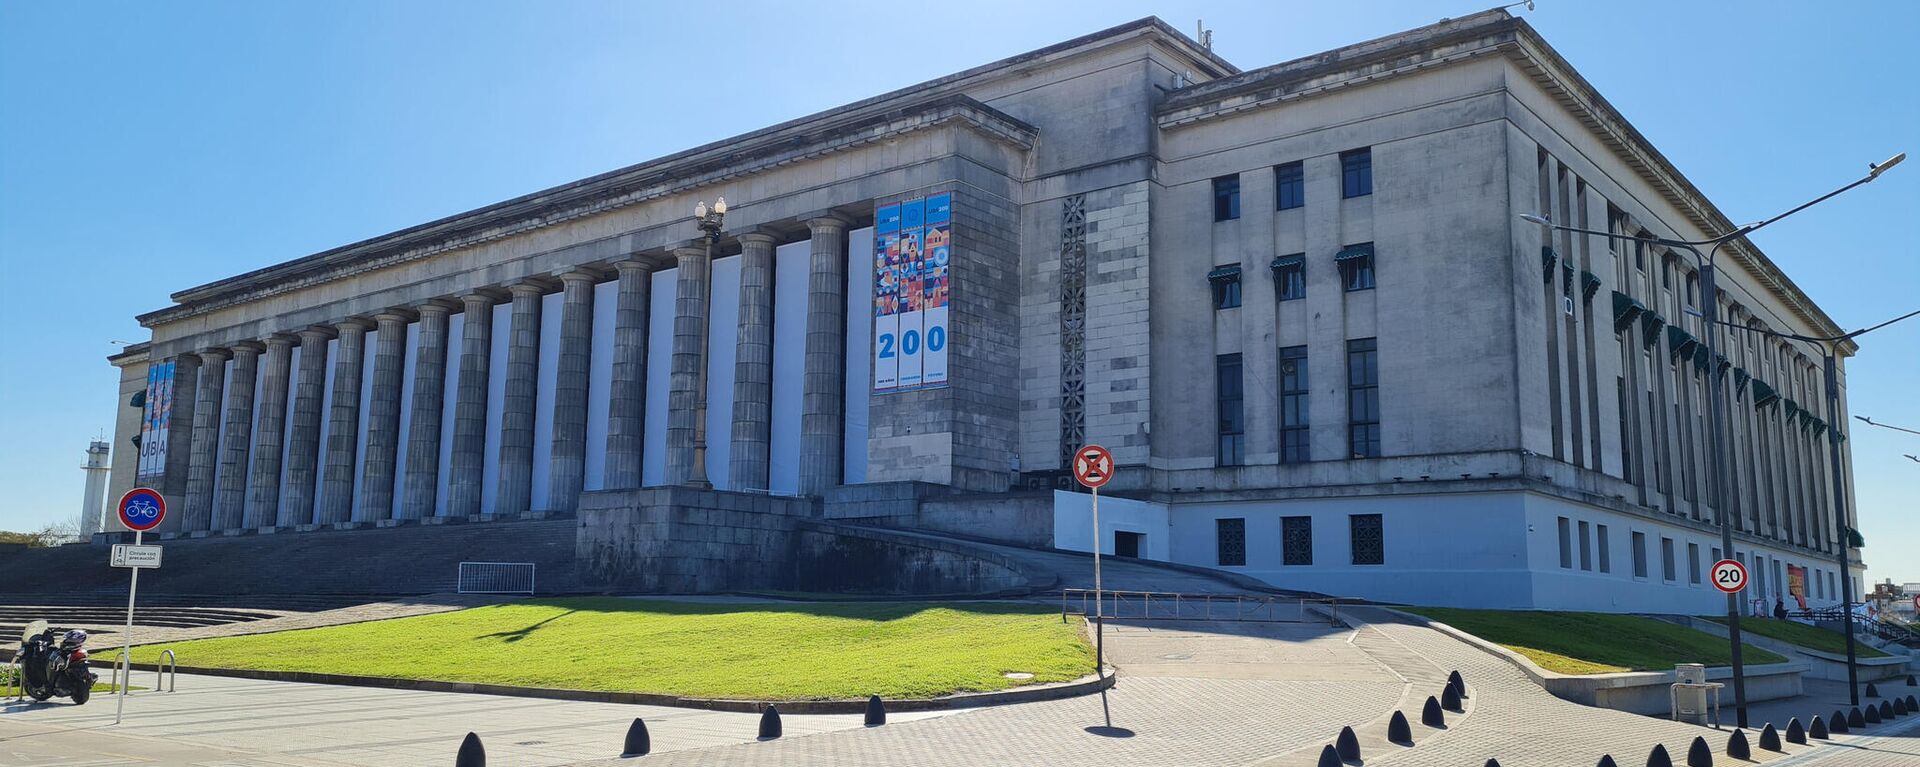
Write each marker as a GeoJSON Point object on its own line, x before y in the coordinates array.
{"type": "Point", "coordinates": [1127, 544]}
{"type": "Point", "coordinates": [1628, 471]}
{"type": "Point", "coordinates": [1693, 563]}
{"type": "Point", "coordinates": [1363, 398]}
{"type": "Point", "coordinates": [1233, 423]}
{"type": "Point", "coordinates": [1290, 276]}
{"type": "Point", "coordinates": [1226, 198]}
{"type": "Point", "coordinates": [1356, 173]}
{"type": "Point", "coordinates": [1289, 186]}
{"type": "Point", "coordinates": [1294, 432]}
{"type": "Point", "coordinates": [1667, 569]}
{"type": "Point", "coordinates": [1566, 543]}
{"type": "Point", "coordinates": [1639, 555]}
{"type": "Point", "coordinates": [1716, 553]}
{"type": "Point", "coordinates": [1231, 541]}
{"type": "Point", "coordinates": [1369, 541]}
{"type": "Point", "coordinates": [1606, 549]}
{"type": "Point", "coordinates": [1586, 548]}
{"type": "Point", "coordinates": [1296, 540]}
{"type": "Point", "coordinates": [1225, 281]}
{"type": "Point", "coordinates": [1356, 266]}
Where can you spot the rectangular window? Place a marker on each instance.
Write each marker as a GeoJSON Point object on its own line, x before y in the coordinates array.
{"type": "Point", "coordinates": [1369, 539]}
{"type": "Point", "coordinates": [1716, 553]}
{"type": "Point", "coordinates": [1363, 398]}
{"type": "Point", "coordinates": [1606, 549]}
{"type": "Point", "coordinates": [1566, 543]}
{"type": "Point", "coordinates": [1127, 544]}
{"type": "Point", "coordinates": [1290, 277]}
{"type": "Point", "coordinates": [1628, 471]}
{"type": "Point", "coordinates": [1294, 431]}
{"type": "Point", "coordinates": [1668, 571]}
{"type": "Point", "coordinates": [1296, 540]}
{"type": "Point", "coordinates": [1356, 173]}
{"type": "Point", "coordinates": [1228, 402]}
{"type": "Point", "coordinates": [1356, 266]}
{"type": "Point", "coordinates": [1586, 548]}
{"type": "Point", "coordinates": [1226, 198]}
{"type": "Point", "coordinates": [1289, 186]}
{"type": "Point", "coordinates": [1693, 563]}
{"type": "Point", "coordinates": [1225, 281]}
{"type": "Point", "coordinates": [1639, 555]}
{"type": "Point", "coordinates": [1231, 541]}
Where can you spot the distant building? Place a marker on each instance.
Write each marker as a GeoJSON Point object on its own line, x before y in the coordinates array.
{"type": "Point", "coordinates": [93, 502]}
{"type": "Point", "coordinates": [1298, 303]}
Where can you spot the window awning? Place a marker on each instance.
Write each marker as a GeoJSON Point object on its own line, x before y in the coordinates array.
{"type": "Point", "coordinates": [1547, 259]}
{"type": "Point", "coordinates": [1350, 252]}
{"type": "Point", "coordinates": [1219, 273]}
{"type": "Point", "coordinates": [1650, 324]}
{"type": "Point", "coordinates": [1625, 311]}
{"type": "Point", "coordinates": [1700, 358]}
{"type": "Point", "coordinates": [1720, 364]}
{"type": "Point", "coordinates": [1679, 341]}
{"type": "Point", "coordinates": [1739, 378]}
{"type": "Point", "coordinates": [1792, 409]}
{"type": "Point", "coordinates": [1285, 262]}
{"type": "Point", "coordinates": [1763, 395]}
{"type": "Point", "coordinates": [1589, 285]}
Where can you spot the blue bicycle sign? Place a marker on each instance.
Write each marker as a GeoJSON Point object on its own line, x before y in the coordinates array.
{"type": "Point", "coordinates": [142, 509]}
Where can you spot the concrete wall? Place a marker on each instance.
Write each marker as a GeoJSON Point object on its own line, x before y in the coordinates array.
{"type": "Point", "coordinates": [682, 540]}
{"type": "Point", "coordinates": [1073, 524]}
{"type": "Point", "coordinates": [844, 560]}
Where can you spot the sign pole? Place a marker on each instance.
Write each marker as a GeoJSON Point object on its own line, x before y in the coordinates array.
{"type": "Point", "coordinates": [1099, 614]}
{"type": "Point", "coordinates": [140, 510]}
{"type": "Point", "coordinates": [133, 586]}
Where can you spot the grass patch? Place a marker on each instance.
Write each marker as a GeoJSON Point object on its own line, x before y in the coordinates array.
{"type": "Point", "coordinates": [1594, 643]}
{"type": "Point", "coordinates": [7, 681]}
{"type": "Point", "coordinates": [755, 651]}
{"type": "Point", "coordinates": [1810, 637]}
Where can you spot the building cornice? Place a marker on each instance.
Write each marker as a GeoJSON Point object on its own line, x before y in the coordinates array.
{"type": "Point", "coordinates": [1484, 34]}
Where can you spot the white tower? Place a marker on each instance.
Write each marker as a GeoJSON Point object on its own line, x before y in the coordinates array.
{"type": "Point", "coordinates": [92, 506]}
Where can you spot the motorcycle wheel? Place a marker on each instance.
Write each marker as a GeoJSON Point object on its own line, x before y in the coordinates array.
{"type": "Point", "coordinates": [81, 695]}
{"type": "Point", "coordinates": [39, 692]}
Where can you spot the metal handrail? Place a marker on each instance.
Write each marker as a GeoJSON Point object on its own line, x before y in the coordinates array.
{"type": "Point", "coordinates": [17, 678]}
{"type": "Point", "coordinates": [171, 673]}
{"type": "Point", "coordinates": [1167, 605]}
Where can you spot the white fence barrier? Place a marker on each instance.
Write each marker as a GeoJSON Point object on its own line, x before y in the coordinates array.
{"type": "Point", "coordinates": [496, 578]}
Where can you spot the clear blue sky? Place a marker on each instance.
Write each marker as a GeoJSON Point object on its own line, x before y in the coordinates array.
{"type": "Point", "coordinates": [149, 147]}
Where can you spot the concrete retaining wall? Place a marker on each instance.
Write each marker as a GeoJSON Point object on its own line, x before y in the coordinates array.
{"type": "Point", "coordinates": [1646, 692]}
{"type": "Point", "coordinates": [846, 559]}
{"type": "Point", "coordinates": [1820, 665]}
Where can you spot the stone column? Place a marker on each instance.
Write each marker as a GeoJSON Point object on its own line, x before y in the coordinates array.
{"type": "Point", "coordinates": [515, 494]}
{"type": "Point", "coordinates": [822, 397]}
{"type": "Point", "coordinates": [197, 511]}
{"type": "Point", "coordinates": [686, 395]}
{"type": "Point", "coordinates": [567, 472]}
{"type": "Point", "coordinates": [303, 432]}
{"type": "Point", "coordinates": [343, 430]}
{"type": "Point", "coordinates": [270, 435]}
{"type": "Point", "coordinates": [230, 499]}
{"type": "Point", "coordinates": [470, 409]}
{"type": "Point", "coordinates": [627, 408]}
{"type": "Point", "coordinates": [753, 367]}
{"type": "Point", "coordinates": [383, 416]}
{"type": "Point", "coordinates": [179, 460]}
{"type": "Point", "coordinates": [429, 403]}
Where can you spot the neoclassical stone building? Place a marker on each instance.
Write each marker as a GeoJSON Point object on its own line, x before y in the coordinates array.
{"type": "Point", "coordinates": [1297, 302]}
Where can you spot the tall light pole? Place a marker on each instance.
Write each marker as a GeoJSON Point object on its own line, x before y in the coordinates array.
{"type": "Point", "coordinates": [1830, 350]}
{"type": "Point", "coordinates": [709, 221]}
{"type": "Point", "coordinates": [1716, 404]}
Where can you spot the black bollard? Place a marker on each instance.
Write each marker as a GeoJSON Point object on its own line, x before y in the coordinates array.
{"type": "Point", "coordinates": [770, 723]}
{"type": "Point", "coordinates": [1737, 746]}
{"type": "Point", "coordinates": [1855, 719]}
{"type": "Point", "coordinates": [1659, 757]}
{"type": "Point", "coordinates": [1348, 745]}
{"type": "Point", "coordinates": [1493, 763]}
{"type": "Point", "coordinates": [1899, 707]}
{"type": "Point", "coordinates": [876, 712]}
{"type": "Point", "coordinates": [1911, 682]}
{"type": "Point", "coordinates": [1450, 700]}
{"type": "Point", "coordinates": [1796, 733]}
{"type": "Point", "coordinates": [1886, 711]}
{"type": "Point", "coordinates": [1398, 731]}
{"type": "Point", "coordinates": [1698, 755]}
{"type": "Point", "coordinates": [638, 742]}
{"type": "Point", "coordinates": [1769, 738]}
{"type": "Point", "coordinates": [1873, 714]}
{"type": "Point", "coordinates": [1459, 684]}
{"type": "Point", "coordinates": [1912, 705]}
{"type": "Point", "coordinates": [1817, 730]}
{"type": "Point", "coordinates": [1839, 721]}
{"type": "Point", "coordinates": [1430, 714]}
{"type": "Point", "coordinates": [1329, 757]}
{"type": "Point", "coordinates": [472, 754]}
{"type": "Point", "coordinates": [1872, 691]}
{"type": "Point", "coordinates": [1606, 760]}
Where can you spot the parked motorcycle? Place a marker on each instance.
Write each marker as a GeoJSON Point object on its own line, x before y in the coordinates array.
{"type": "Point", "coordinates": [55, 663]}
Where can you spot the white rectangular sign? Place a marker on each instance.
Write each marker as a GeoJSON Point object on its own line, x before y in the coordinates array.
{"type": "Point", "coordinates": [128, 555]}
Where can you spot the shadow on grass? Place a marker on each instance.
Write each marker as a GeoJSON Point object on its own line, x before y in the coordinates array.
{"type": "Point", "coordinates": [877, 612]}
{"type": "Point", "coordinates": [519, 634]}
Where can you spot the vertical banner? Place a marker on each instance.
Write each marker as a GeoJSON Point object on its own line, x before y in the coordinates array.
{"type": "Point", "coordinates": [1797, 584]}
{"type": "Point", "coordinates": [913, 216]}
{"type": "Point", "coordinates": [938, 254]}
{"type": "Point", "coordinates": [155, 426]}
{"type": "Point", "coordinates": [886, 298]}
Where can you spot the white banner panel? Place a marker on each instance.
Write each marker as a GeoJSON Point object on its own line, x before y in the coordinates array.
{"type": "Point", "coordinates": [933, 336]}
{"type": "Point", "coordinates": [886, 352]}
{"type": "Point", "coordinates": [912, 344]}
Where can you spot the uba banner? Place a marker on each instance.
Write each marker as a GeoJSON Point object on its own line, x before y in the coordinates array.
{"type": "Point", "coordinates": [159, 416]}
{"type": "Point", "coordinates": [912, 268]}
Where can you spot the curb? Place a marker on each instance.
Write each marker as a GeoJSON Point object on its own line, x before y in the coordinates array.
{"type": "Point", "coordinates": [1086, 685]}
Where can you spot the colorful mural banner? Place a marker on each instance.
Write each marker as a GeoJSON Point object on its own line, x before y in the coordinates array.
{"type": "Point", "coordinates": [1797, 584]}
{"type": "Point", "coordinates": [912, 247]}
{"type": "Point", "coordinates": [158, 421]}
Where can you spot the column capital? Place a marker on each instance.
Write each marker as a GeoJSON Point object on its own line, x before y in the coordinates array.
{"type": "Point", "coordinates": [213, 354]}
{"type": "Point", "coordinates": [536, 286]}
{"type": "Point", "coordinates": [576, 275]}
{"type": "Point", "coordinates": [393, 316]}
{"type": "Point", "coordinates": [316, 333]}
{"type": "Point", "coordinates": [278, 340]}
{"type": "Point", "coordinates": [353, 324]}
{"type": "Point", "coordinates": [247, 348]}
{"type": "Point", "coordinates": [685, 249]}
{"type": "Point", "coordinates": [826, 220]}
{"type": "Point", "coordinates": [436, 307]}
{"type": "Point", "coordinates": [488, 295]}
{"type": "Point", "coordinates": [634, 265]}
{"type": "Point", "coordinates": [760, 236]}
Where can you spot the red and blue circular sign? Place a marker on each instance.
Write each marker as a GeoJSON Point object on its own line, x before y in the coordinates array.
{"type": "Point", "coordinates": [142, 508]}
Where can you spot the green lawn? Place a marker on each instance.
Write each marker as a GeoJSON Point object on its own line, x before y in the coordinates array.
{"type": "Point", "coordinates": [1593, 643]}
{"type": "Point", "coordinates": [783, 651]}
{"type": "Point", "coordinates": [1810, 637]}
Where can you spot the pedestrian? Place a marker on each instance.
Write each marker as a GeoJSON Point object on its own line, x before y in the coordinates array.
{"type": "Point", "coordinates": [1780, 609]}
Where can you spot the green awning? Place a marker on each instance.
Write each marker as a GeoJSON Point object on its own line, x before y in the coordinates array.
{"type": "Point", "coordinates": [1819, 427]}
{"type": "Point", "coordinates": [1791, 408]}
{"type": "Point", "coordinates": [1219, 273]}
{"type": "Point", "coordinates": [1720, 365]}
{"type": "Point", "coordinates": [1283, 262]}
{"type": "Point", "coordinates": [1740, 378]}
{"type": "Point", "coordinates": [139, 399]}
{"type": "Point", "coordinates": [1589, 285]}
{"type": "Point", "coordinates": [1547, 259]}
{"type": "Point", "coordinates": [1763, 395]}
{"type": "Point", "coordinates": [1625, 311]}
{"type": "Point", "coordinates": [1363, 250]}
{"type": "Point", "coordinates": [1679, 341]}
{"type": "Point", "coordinates": [1700, 358]}
{"type": "Point", "coordinates": [1650, 324]}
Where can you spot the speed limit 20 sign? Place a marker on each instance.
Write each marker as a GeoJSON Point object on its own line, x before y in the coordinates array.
{"type": "Point", "coordinates": [1729, 576]}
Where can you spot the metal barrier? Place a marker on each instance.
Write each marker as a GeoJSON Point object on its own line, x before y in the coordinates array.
{"type": "Point", "coordinates": [122, 666]}
{"type": "Point", "coordinates": [1167, 605]}
{"type": "Point", "coordinates": [171, 673]}
{"type": "Point", "coordinates": [495, 578]}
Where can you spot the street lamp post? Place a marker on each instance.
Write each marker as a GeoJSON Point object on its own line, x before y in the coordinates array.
{"type": "Point", "coordinates": [1715, 400]}
{"type": "Point", "coordinates": [1830, 351]}
{"type": "Point", "coordinates": [709, 221]}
